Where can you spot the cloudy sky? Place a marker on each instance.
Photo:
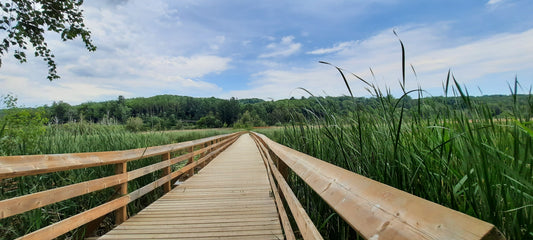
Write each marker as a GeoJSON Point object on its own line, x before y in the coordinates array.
{"type": "Point", "coordinates": [268, 49]}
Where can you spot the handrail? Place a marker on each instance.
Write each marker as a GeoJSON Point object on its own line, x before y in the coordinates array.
{"type": "Point", "coordinates": [26, 165]}
{"type": "Point", "coordinates": [14, 166]}
{"type": "Point", "coordinates": [376, 210]}
{"type": "Point", "coordinates": [307, 229]}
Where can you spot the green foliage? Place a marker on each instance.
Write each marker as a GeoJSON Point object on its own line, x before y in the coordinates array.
{"type": "Point", "coordinates": [167, 112]}
{"type": "Point", "coordinates": [81, 128]}
{"type": "Point", "coordinates": [61, 112]}
{"type": "Point", "coordinates": [134, 124]}
{"type": "Point", "coordinates": [248, 121]}
{"type": "Point", "coordinates": [228, 111]}
{"type": "Point", "coordinates": [20, 128]}
{"type": "Point", "coordinates": [449, 150]}
{"type": "Point", "coordinates": [209, 121]}
{"type": "Point", "coordinates": [28, 20]}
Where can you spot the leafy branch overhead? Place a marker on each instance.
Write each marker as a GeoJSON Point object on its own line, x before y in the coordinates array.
{"type": "Point", "coordinates": [24, 22]}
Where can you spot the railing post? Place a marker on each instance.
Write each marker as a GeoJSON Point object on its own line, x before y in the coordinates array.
{"type": "Point", "coordinates": [166, 171]}
{"type": "Point", "coordinates": [282, 167]}
{"type": "Point", "coordinates": [204, 153]}
{"type": "Point", "coordinates": [121, 214]}
{"type": "Point", "coordinates": [191, 161]}
{"type": "Point", "coordinates": [204, 146]}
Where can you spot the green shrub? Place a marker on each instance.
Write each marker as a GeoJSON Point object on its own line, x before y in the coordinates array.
{"type": "Point", "coordinates": [209, 121]}
{"type": "Point", "coordinates": [248, 121]}
{"type": "Point", "coordinates": [134, 124]}
{"type": "Point", "coordinates": [20, 128]}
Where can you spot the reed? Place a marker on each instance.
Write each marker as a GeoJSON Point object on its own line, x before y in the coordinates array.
{"type": "Point", "coordinates": [463, 159]}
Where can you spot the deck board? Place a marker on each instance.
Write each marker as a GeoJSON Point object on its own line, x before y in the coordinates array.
{"type": "Point", "coordinates": [230, 198]}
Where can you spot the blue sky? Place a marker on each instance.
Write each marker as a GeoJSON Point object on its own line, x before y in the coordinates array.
{"type": "Point", "coordinates": [268, 49]}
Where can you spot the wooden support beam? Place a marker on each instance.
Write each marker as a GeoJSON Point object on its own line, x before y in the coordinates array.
{"type": "Point", "coordinates": [203, 154]}
{"type": "Point", "coordinates": [57, 229]}
{"type": "Point", "coordinates": [282, 167]}
{"type": "Point", "coordinates": [121, 214]}
{"type": "Point", "coordinates": [166, 171]}
{"type": "Point", "coordinates": [17, 205]}
{"type": "Point", "coordinates": [190, 173]}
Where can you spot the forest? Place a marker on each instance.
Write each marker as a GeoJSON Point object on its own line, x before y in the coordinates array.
{"type": "Point", "coordinates": [169, 112]}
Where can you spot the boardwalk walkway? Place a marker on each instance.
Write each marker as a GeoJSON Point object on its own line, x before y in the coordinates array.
{"type": "Point", "coordinates": [228, 199]}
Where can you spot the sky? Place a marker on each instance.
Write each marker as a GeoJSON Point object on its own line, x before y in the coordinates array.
{"type": "Point", "coordinates": [270, 49]}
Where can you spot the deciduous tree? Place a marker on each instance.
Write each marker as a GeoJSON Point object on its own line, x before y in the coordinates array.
{"type": "Point", "coordinates": [23, 24]}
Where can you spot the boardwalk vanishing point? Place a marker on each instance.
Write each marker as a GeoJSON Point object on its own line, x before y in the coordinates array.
{"type": "Point", "coordinates": [235, 187]}
{"type": "Point", "coordinates": [230, 198]}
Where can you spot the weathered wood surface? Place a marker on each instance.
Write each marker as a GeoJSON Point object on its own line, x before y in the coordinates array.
{"type": "Point", "coordinates": [379, 211]}
{"type": "Point", "coordinates": [229, 199]}
{"type": "Point", "coordinates": [13, 206]}
{"type": "Point", "coordinates": [15, 166]}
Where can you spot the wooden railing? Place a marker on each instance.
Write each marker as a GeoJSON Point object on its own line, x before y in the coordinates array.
{"type": "Point", "coordinates": [374, 210]}
{"type": "Point", "coordinates": [199, 152]}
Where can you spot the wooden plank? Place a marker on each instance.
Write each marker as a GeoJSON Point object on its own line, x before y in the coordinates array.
{"type": "Point", "coordinates": [156, 166]}
{"type": "Point", "coordinates": [13, 206]}
{"type": "Point", "coordinates": [166, 172]}
{"type": "Point", "coordinates": [159, 182]}
{"type": "Point", "coordinates": [14, 166]}
{"type": "Point", "coordinates": [202, 221]}
{"type": "Point", "coordinates": [163, 164]}
{"type": "Point", "coordinates": [121, 214]}
{"type": "Point", "coordinates": [305, 225]}
{"type": "Point", "coordinates": [62, 227]}
{"type": "Point", "coordinates": [212, 204]}
{"type": "Point", "coordinates": [377, 210]}
{"type": "Point", "coordinates": [267, 235]}
{"type": "Point", "coordinates": [190, 173]}
{"type": "Point", "coordinates": [148, 188]}
{"type": "Point", "coordinates": [172, 234]}
{"type": "Point", "coordinates": [28, 165]}
{"type": "Point", "coordinates": [285, 223]}
{"type": "Point", "coordinates": [192, 228]}
{"type": "Point", "coordinates": [264, 237]}
{"type": "Point", "coordinates": [189, 225]}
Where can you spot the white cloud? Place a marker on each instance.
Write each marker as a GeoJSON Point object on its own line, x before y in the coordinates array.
{"type": "Point", "coordinates": [493, 2]}
{"type": "Point", "coordinates": [475, 62]}
{"type": "Point", "coordinates": [284, 48]}
{"type": "Point", "coordinates": [148, 51]}
{"type": "Point", "coordinates": [187, 67]}
{"type": "Point", "coordinates": [279, 84]}
{"type": "Point", "coordinates": [132, 59]}
{"type": "Point", "coordinates": [336, 48]}
{"type": "Point", "coordinates": [217, 42]}
{"type": "Point", "coordinates": [72, 92]}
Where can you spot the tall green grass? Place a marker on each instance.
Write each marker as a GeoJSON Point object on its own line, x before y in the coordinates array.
{"type": "Point", "coordinates": [463, 159]}
{"type": "Point", "coordinates": [83, 137]}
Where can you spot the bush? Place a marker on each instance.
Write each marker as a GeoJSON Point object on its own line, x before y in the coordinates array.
{"type": "Point", "coordinates": [20, 128]}
{"type": "Point", "coordinates": [134, 124]}
{"type": "Point", "coordinates": [249, 120]}
{"type": "Point", "coordinates": [209, 121]}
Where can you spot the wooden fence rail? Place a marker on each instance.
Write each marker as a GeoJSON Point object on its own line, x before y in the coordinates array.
{"type": "Point", "coordinates": [374, 210]}
{"type": "Point", "coordinates": [203, 150]}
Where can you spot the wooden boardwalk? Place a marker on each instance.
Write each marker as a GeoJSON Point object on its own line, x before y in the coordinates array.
{"type": "Point", "coordinates": [230, 198]}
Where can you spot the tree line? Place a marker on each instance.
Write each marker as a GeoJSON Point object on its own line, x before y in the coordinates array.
{"type": "Point", "coordinates": [165, 112]}
{"type": "Point", "coordinates": [176, 112]}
